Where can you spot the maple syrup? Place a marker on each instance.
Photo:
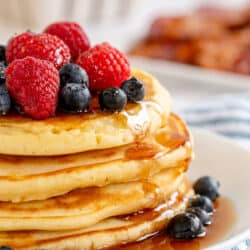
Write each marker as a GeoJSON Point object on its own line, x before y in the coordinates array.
{"type": "Point", "coordinates": [223, 221]}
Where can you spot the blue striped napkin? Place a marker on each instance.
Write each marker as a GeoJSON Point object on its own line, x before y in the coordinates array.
{"type": "Point", "coordinates": [228, 115]}
{"type": "Point", "coordinates": [245, 245]}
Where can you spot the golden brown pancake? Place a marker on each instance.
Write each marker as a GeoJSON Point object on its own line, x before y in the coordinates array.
{"type": "Point", "coordinates": [33, 178]}
{"type": "Point", "coordinates": [68, 133]}
{"type": "Point", "coordinates": [93, 180]}
{"type": "Point", "coordinates": [82, 208]}
{"type": "Point", "coordinates": [109, 232]}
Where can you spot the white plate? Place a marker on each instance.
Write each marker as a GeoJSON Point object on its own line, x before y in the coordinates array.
{"type": "Point", "coordinates": [190, 83]}
{"type": "Point", "coordinates": [193, 73]}
{"type": "Point", "coordinates": [230, 164]}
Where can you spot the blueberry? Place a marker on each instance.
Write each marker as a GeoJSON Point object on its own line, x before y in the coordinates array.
{"type": "Point", "coordinates": [74, 98]}
{"type": "Point", "coordinates": [2, 53]}
{"type": "Point", "coordinates": [5, 100]}
{"type": "Point", "coordinates": [201, 214]}
{"type": "Point", "coordinates": [112, 99]}
{"type": "Point", "coordinates": [202, 202]}
{"type": "Point", "coordinates": [73, 73]}
{"type": "Point", "coordinates": [5, 248]}
{"type": "Point", "coordinates": [207, 186]}
{"type": "Point", "coordinates": [134, 89]}
{"type": "Point", "coordinates": [2, 72]}
{"type": "Point", "coordinates": [185, 226]}
{"type": "Point", "coordinates": [17, 108]}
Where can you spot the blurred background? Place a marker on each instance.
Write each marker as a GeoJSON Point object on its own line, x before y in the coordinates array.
{"type": "Point", "coordinates": [103, 19]}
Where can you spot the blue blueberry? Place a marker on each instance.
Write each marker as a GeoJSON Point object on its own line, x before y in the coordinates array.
{"type": "Point", "coordinates": [17, 108]}
{"type": "Point", "coordinates": [112, 99]}
{"type": "Point", "coordinates": [202, 202]}
{"type": "Point", "coordinates": [5, 100]}
{"type": "Point", "coordinates": [185, 226]}
{"type": "Point", "coordinates": [207, 186]}
{"type": "Point", "coordinates": [73, 73]}
{"type": "Point", "coordinates": [74, 98]}
{"type": "Point", "coordinates": [134, 89]}
{"type": "Point", "coordinates": [201, 214]}
{"type": "Point", "coordinates": [5, 248]}
{"type": "Point", "coordinates": [2, 53]}
{"type": "Point", "coordinates": [2, 72]}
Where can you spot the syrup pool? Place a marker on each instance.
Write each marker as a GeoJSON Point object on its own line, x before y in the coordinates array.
{"type": "Point", "coordinates": [223, 221]}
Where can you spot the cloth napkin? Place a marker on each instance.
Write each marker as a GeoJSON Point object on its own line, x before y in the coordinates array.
{"type": "Point", "coordinates": [244, 245]}
{"type": "Point", "coordinates": [228, 115]}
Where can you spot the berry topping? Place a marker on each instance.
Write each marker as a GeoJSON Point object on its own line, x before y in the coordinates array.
{"type": "Point", "coordinates": [207, 186]}
{"type": "Point", "coordinates": [134, 89]}
{"type": "Point", "coordinates": [202, 202]}
{"type": "Point", "coordinates": [72, 34]}
{"type": "Point", "coordinates": [2, 53]}
{"type": "Point", "coordinates": [201, 214]}
{"type": "Point", "coordinates": [34, 85]}
{"type": "Point", "coordinates": [15, 48]}
{"type": "Point", "coordinates": [185, 226]}
{"type": "Point", "coordinates": [106, 66]}
{"type": "Point", "coordinates": [42, 46]}
{"type": "Point", "coordinates": [17, 108]}
{"type": "Point", "coordinates": [2, 72]}
{"type": "Point", "coordinates": [73, 73]}
{"type": "Point", "coordinates": [5, 100]}
{"type": "Point", "coordinates": [112, 99]}
{"type": "Point", "coordinates": [75, 98]}
{"type": "Point", "coordinates": [5, 248]}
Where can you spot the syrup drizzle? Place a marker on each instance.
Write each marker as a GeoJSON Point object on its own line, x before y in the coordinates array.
{"type": "Point", "coordinates": [223, 221]}
{"type": "Point", "coordinates": [138, 117]}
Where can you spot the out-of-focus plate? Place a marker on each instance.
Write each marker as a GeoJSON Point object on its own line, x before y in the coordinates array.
{"type": "Point", "coordinates": [192, 73]}
{"type": "Point", "coordinates": [230, 164]}
{"type": "Point", "coordinates": [187, 82]}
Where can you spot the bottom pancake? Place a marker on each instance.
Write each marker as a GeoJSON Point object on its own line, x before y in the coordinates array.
{"type": "Point", "coordinates": [83, 208]}
{"type": "Point", "coordinates": [109, 232]}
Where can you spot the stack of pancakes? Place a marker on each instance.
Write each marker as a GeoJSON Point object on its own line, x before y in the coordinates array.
{"type": "Point", "coordinates": [93, 180]}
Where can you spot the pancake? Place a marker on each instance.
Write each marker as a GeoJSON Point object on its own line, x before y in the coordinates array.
{"type": "Point", "coordinates": [109, 232]}
{"type": "Point", "coordinates": [82, 208]}
{"type": "Point", "coordinates": [38, 178]}
{"type": "Point", "coordinates": [68, 133]}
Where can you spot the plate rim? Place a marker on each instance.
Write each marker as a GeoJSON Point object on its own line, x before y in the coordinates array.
{"type": "Point", "coordinates": [245, 235]}
{"type": "Point", "coordinates": [190, 73]}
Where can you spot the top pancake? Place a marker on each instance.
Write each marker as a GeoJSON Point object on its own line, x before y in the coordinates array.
{"type": "Point", "coordinates": [73, 133]}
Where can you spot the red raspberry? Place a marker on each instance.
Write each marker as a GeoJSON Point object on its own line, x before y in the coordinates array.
{"type": "Point", "coordinates": [34, 85]}
{"type": "Point", "coordinates": [15, 47]}
{"type": "Point", "coordinates": [106, 66]}
{"type": "Point", "coordinates": [42, 46]}
{"type": "Point", "coordinates": [72, 34]}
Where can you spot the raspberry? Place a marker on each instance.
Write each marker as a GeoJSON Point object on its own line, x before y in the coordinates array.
{"type": "Point", "coordinates": [72, 34]}
{"type": "Point", "coordinates": [15, 47]}
{"type": "Point", "coordinates": [34, 85]}
{"type": "Point", "coordinates": [106, 66]}
{"type": "Point", "coordinates": [42, 46]}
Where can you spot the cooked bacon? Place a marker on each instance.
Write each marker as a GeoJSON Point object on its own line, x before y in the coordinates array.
{"type": "Point", "coordinates": [174, 51]}
{"type": "Point", "coordinates": [212, 38]}
{"type": "Point", "coordinates": [184, 28]}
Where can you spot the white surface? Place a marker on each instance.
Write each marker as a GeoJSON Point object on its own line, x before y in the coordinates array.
{"type": "Point", "coordinates": [230, 164]}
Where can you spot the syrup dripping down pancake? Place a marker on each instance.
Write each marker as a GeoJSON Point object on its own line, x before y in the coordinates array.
{"type": "Point", "coordinates": [68, 133]}
{"type": "Point", "coordinates": [38, 178]}
{"type": "Point", "coordinates": [82, 208]}
{"type": "Point", "coordinates": [107, 233]}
